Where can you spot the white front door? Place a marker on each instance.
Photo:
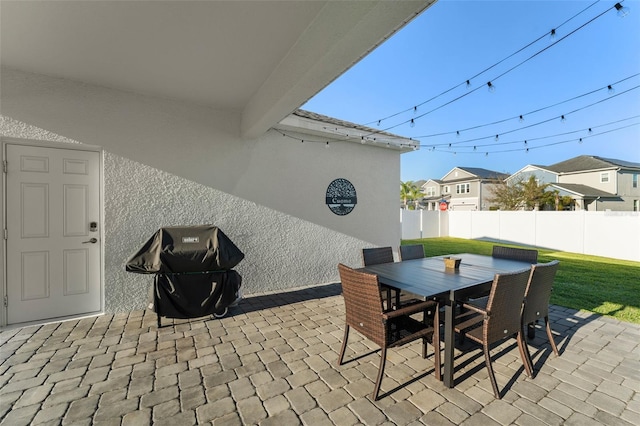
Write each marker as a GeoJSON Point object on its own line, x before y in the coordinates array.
{"type": "Point", "coordinates": [53, 232]}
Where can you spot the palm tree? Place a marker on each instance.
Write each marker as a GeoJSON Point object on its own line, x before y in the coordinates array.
{"type": "Point", "coordinates": [409, 191]}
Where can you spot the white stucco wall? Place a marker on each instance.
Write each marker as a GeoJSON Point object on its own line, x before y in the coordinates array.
{"type": "Point", "coordinates": [168, 163]}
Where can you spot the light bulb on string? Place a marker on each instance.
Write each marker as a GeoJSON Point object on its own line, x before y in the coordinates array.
{"type": "Point", "coordinates": [527, 150]}
{"type": "Point", "coordinates": [525, 143]}
{"type": "Point", "coordinates": [497, 137]}
{"type": "Point", "coordinates": [474, 147]}
{"type": "Point", "coordinates": [580, 140]}
{"type": "Point", "coordinates": [491, 87]}
{"type": "Point", "coordinates": [379, 121]}
{"type": "Point", "coordinates": [327, 145]}
{"type": "Point", "coordinates": [302, 141]}
{"type": "Point", "coordinates": [611, 90]}
{"type": "Point", "coordinates": [362, 141]}
{"type": "Point", "coordinates": [415, 109]}
{"type": "Point", "coordinates": [521, 118]}
{"type": "Point", "coordinates": [590, 131]}
{"type": "Point", "coordinates": [563, 119]}
{"type": "Point", "coordinates": [621, 10]}
{"type": "Point", "coordinates": [468, 84]}
{"type": "Point", "coordinates": [552, 34]}
{"type": "Point", "coordinates": [412, 123]}
{"type": "Point", "coordinates": [457, 133]}
{"type": "Point", "coordinates": [449, 145]}
{"type": "Point", "coordinates": [486, 154]}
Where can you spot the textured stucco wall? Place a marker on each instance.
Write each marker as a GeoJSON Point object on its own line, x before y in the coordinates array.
{"type": "Point", "coordinates": [203, 145]}
{"type": "Point", "coordinates": [170, 163]}
{"type": "Point", "coordinates": [281, 251]}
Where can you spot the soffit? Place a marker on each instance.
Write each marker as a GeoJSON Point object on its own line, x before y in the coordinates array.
{"type": "Point", "coordinates": [262, 59]}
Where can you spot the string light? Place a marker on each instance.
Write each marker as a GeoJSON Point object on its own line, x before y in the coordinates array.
{"type": "Point", "coordinates": [327, 145]}
{"type": "Point", "coordinates": [491, 87]}
{"type": "Point", "coordinates": [521, 118]}
{"type": "Point", "coordinates": [621, 11]}
{"type": "Point", "coordinates": [497, 137]}
{"type": "Point", "coordinates": [413, 123]}
{"type": "Point", "coordinates": [468, 81]}
{"type": "Point", "coordinates": [552, 35]}
{"type": "Point", "coordinates": [536, 110]}
{"type": "Point", "coordinates": [563, 119]}
{"type": "Point", "coordinates": [468, 84]}
{"type": "Point", "coordinates": [611, 90]}
{"type": "Point", "coordinates": [580, 140]}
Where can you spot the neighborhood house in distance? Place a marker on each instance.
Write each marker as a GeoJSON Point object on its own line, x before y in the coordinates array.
{"type": "Point", "coordinates": [594, 183]}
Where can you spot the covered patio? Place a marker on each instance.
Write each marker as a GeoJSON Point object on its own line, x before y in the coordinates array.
{"type": "Point", "coordinates": [272, 361]}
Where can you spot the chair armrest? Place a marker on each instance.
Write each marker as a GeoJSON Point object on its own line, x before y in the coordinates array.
{"type": "Point", "coordinates": [411, 309]}
{"type": "Point", "coordinates": [475, 309]}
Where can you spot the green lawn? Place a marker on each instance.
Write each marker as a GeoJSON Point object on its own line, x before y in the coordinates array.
{"type": "Point", "coordinates": [602, 285]}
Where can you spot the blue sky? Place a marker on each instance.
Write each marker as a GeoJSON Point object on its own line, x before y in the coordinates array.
{"type": "Point", "coordinates": [453, 41]}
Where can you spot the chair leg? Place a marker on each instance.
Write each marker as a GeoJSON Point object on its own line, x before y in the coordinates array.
{"type": "Point", "coordinates": [550, 336]}
{"type": "Point", "coordinates": [531, 330]}
{"type": "Point", "coordinates": [383, 360]}
{"type": "Point", "coordinates": [436, 344]}
{"type": "Point", "coordinates": [528, 355]}
{"type": "Point", "coordinates": [524, 354]}
{"type": "Point", "coordinates": [492, 376]}
{"type": "Point", "coordinates": [344, 343]}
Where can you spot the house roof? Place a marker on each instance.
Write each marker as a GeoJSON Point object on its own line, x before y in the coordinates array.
{"type": "Point", "coordinates": [582, 190]}
{"type": "Point", "coordinates": [260, 59]}
{"type": "Point", "coordinates": [336, 129]}
{"type": "Point", "coordinates": [590, 162]}
{"type": "Point", "coordinates": [483, 173]}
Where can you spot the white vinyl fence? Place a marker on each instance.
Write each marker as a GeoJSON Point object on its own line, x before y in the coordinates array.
{"type": "Point", "coordinates": [608, 234]}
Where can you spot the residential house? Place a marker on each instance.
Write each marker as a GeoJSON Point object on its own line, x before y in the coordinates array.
{"type": "Point", "coordinates": [188, 111]}
{"type": "Point", "coordinates": [595, 183]}
{"type": "Point", "coordinates": [463, 188]}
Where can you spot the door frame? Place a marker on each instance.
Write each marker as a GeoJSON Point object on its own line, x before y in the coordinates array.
{"type": "Point", "coordinates": [3, 216]}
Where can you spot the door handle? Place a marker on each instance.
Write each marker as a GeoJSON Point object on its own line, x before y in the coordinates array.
{"type": "Point", "coordinates": [92, 241]}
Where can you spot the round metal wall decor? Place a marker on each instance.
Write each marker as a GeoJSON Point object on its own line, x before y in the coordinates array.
{"type": "Point", "coordinates": [341, 197]}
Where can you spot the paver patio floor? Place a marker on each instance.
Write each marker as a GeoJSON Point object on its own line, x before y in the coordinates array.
{"type": "Point", "coordinates": [272, 361]}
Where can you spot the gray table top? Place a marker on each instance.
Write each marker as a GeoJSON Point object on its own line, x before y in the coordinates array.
{"type": "Point", "coordinates": [428, 277]}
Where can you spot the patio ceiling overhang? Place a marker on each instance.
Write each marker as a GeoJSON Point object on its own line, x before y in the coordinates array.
{"type": "Point", "coordinates": [259, 59]}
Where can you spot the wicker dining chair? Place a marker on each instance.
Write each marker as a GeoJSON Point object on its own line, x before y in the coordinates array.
{"type": "Point", "coordinates": [376, 256]}
{"type": "Point", "coordinates": [388, 329]}
{"type": "Point", "coordinates": [537, 296]}
{"type": "Point", "coordinates": [526, 255]}
{"type": "Point", "coordinates": [414, 251]}
{"type": "Point", "coordinates": [501, 319]}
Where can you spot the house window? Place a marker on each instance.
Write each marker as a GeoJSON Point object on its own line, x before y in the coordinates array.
{"type": "Point", "coordinates": [446, 189]}
{"type": "Point", "coordinates": [635, 180]}
{"type": "Point", "coordinates": [462, 188]}
{"type": "Point", "coordinates": [636, 205]}
{"type": "Point", "coordinates": [431, 191]}
{"type": "Point", "coordinates": [604, 177]}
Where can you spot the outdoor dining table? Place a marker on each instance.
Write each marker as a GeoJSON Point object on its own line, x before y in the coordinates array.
{"type": "Point", "coordinates": [430, 279]}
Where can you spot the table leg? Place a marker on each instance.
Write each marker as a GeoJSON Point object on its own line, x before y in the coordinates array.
{"type": "Point", "coordinates": [449, 339]}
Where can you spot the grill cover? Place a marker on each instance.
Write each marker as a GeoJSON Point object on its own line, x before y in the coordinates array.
{"type": "Point", "coordinates": [179, 249]}
{"type": "Point", "coordinates": [194, 295]}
